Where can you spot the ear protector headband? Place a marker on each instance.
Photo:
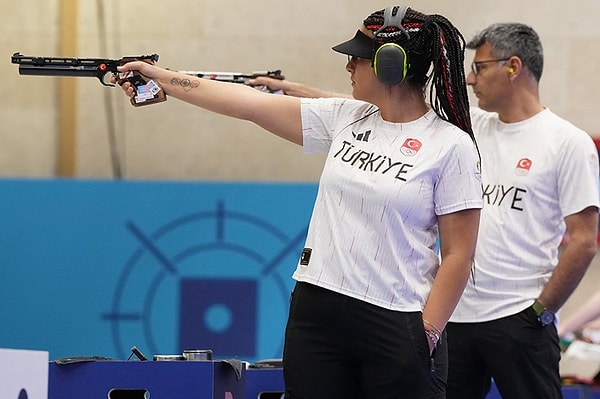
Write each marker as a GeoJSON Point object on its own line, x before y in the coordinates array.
{"type": "Point", "coordinates": [390, 60]}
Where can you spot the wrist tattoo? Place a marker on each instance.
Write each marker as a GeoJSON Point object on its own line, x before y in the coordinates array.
{"type": "Point", "coordinates": [186, 84]}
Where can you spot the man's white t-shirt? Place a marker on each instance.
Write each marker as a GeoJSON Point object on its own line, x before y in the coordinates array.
{"type": "Point", "coordinates": [373, 230]}
{"type": "Point", "coordinates": [534, 173]}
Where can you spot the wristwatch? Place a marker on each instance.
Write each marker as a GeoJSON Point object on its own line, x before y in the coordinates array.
{"type": "Point", "coordinates": [544, 316]}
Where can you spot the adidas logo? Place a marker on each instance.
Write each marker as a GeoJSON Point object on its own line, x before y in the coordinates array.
{"type": "Point", "coordinates": [362, 136]}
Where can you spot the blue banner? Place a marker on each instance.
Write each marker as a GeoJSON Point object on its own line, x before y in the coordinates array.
{"type": "Point", "coordinates": [92, 268]}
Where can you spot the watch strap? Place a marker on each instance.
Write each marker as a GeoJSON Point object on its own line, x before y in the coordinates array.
{"type": "Point", "coordinates": [538, 308]}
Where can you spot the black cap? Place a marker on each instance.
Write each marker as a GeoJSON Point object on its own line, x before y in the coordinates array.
{"type": "Point", "coordinates": [360, 46]}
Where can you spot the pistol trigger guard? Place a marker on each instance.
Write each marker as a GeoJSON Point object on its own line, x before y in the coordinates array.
{"type": "Point", "coordinates": [102, 79]}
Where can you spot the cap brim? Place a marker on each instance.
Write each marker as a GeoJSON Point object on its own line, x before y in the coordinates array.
{"type": "Point", "coordinates": [360, 45]}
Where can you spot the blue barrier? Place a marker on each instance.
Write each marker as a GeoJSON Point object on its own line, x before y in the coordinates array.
{"type": "Point", "coordinates": [95, 267]}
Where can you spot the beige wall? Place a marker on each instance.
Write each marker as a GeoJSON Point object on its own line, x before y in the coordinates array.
{"type": "Point", "coordinates": [174, 140]}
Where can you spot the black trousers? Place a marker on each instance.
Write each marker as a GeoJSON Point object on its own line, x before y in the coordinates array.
{"type": "Point", "coordinates": [337, 347]}
{"type": "Point", "coordinates": [520, 355]}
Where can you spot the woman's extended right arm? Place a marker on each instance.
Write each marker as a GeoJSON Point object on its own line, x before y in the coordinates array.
{"type": "Point", "coordinates": [279, 115]}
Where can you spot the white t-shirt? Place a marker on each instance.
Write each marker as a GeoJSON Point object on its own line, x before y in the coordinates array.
{"type": "Point", "coordinates": [373, 230]}
{"type": "Point", "coordinates": [535, 173]}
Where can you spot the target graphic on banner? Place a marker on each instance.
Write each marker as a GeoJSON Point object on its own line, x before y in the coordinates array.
{"type": "Point", "coordinates": [216, 279]}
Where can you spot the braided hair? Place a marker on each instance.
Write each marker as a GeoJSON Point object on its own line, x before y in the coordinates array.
{"type": "Point", "coordinates": [436, 45]}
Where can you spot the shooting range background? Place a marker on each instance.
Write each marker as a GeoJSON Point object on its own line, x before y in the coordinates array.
{"type": "Point", "coordinates": [53, 129]}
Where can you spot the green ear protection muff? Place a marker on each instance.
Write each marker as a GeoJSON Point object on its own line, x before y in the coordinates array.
{"type": "Point", "coordinates": [390, 61]}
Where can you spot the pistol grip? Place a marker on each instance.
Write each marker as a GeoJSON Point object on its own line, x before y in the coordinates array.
{"type": "Point", "coordinates": [147, 91]}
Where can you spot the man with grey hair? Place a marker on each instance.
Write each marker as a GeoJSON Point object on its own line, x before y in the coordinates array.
{"type": "Point", "coordinates": [540, 185]}
{"type": "Point", "coordinates": [540, 181]}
